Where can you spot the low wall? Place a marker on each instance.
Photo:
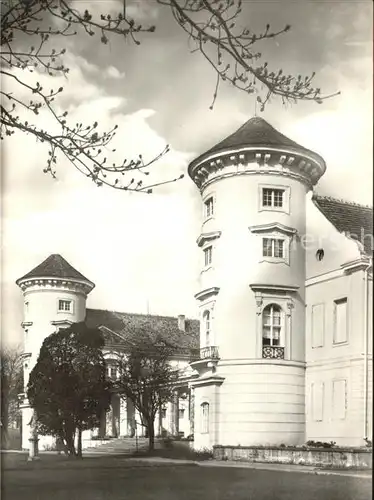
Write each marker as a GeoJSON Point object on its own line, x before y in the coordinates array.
{"type": "Point", "coordinates": [334, 458]}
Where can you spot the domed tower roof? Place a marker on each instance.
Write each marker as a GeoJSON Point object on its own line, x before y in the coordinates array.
{"type": "Point", "coordinates": [54, 266]}
{"type": "Point", "coordinates": [257, 135]}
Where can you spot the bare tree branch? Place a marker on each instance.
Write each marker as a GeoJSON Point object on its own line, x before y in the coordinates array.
{"type": "Point", "coordinates": [213, 30]}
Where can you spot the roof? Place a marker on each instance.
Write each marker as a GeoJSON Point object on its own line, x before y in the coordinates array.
{"type": "Point", "coordinates": [257, 132]}
{"type": "Point", "coordinates": [54, 266]}
{"type": "Point", "coordinates": [119, 327]}
{"type": "Point", "coordinates": [351, 218]}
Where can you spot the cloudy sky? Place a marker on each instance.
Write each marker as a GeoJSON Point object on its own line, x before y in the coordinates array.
{"type": "Point", "coordinates": [140, 249]}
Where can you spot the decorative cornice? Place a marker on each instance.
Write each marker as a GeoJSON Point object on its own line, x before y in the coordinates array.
{"type": "Point", "coordinates": [273, 226]}
{"type": "Point", "coordinates": [51, 283]}
{"type": "Point", "coordinates": [263, 287]}
{"type": "Point", "coordinates": [208, 292]}
{"type": "Point", "coordinates": [306, 166]}
{"type": "Point", "coordinates": [207, 237]}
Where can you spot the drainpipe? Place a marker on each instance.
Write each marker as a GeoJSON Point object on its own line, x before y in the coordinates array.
{"type": "Point", "coordinates": [366, 338]}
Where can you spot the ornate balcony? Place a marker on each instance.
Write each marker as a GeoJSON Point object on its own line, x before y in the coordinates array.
{"type": "Point", "coordinates": [272, 352]}
{"type": "Point", "coordinates": [210, 352]}
{"type": "Point", "coordinates": [207, 360]}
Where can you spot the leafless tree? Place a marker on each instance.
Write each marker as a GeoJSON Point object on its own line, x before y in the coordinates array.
{"type": "Point", "coordinates": [30, 28]}
{"type": "Point", "coordinates": [11, 386]}
{"type": "Point", "coordinates": [147, 376]}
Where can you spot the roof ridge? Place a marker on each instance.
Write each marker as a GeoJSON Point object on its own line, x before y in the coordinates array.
{"type": "Point", "coordinates": [340, 200]}
{"type": "Point", "coordinates": [138, 314]}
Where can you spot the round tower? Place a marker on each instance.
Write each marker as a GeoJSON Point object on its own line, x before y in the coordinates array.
{"type": "Point", "coordinates": [251, 386]}
{"type": "Point", "coordinates": [54, 297]}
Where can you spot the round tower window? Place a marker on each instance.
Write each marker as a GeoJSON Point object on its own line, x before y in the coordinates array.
{"type": "Point", "coordinates": [320, 254]}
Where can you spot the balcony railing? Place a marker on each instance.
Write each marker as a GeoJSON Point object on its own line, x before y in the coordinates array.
{"type": "Point", "coordinates": [210, 352]}
{"type": "Point", "coordinates": [272, 352]}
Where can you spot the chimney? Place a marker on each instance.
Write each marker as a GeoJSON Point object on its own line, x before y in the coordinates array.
{"type": "Point", "coordinates": [182, 322]}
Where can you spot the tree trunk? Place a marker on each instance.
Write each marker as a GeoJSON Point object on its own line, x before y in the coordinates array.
{"type": "Point", "coordinates": [70, 444]}
{"type": "Point", "coordinates": [79, 447]}
{"type": "Point", "coordinates": [61, 445]}
{"type": "Point", "coordinates": [151, 435]}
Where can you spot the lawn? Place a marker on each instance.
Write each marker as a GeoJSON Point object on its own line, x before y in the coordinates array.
{"type": "Point", "coordinates": [117, 478]}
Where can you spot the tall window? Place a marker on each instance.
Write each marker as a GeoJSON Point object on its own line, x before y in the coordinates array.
{"type": "Point", "coordinates": [207, 256]}
{"type": "Point", "coordinates": [64, 305]}
{"type": "Point", "coordinates": [272, 247]}
{"type": "Point", "coordinates": [205, 417]}
{"type": "Point", "coordinates": [271, 325]}
{"type": "Point", "coordinates": [341, 323]}
{"type": "Point", "coordinates": [208, 207]}
{"type": "Point", "coordinates": [206, 318]}
{"type": "Point", "coordinates": [272, 197]}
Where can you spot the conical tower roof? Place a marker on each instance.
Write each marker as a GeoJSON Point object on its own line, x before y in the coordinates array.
{"type": "Point", "coordinates": [257, 133]}
{"type": "Point", "coordinates": [54, 266]}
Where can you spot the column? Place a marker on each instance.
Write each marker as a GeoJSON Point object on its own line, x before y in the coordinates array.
{"type": "Point", "coordinates": [191, 398]}
{"type": "Point", "coordinates": [169, 417]}
{"type": "Point", "coordinates": [102, 429]}
{"type": "Point", "coordinates": [123, 422]}
{"type": "Point", "coordinates": [175, 414]}
{"type": "Point", "coordinates": [109, 420]}
{"type": "Point", "coordinates": [159, 428]}
{"type": "Point", "coordinates": [140, 428]}
{"type": "Point", "coordinates": [116, 404]}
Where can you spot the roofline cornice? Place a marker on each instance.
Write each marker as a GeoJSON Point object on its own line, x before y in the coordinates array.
{"type": "Point", "coordinates": [54, 282]}
{"type": "Point", "coordinates": [310, 165]}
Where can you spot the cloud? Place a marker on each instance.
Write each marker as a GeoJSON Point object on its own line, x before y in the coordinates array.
{"type": "Point", "coordinates": [140, 248]}
{"type": "Point", "coordinates": [113, 72]}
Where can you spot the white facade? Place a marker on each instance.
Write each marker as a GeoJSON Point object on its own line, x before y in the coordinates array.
{"type": "Point", "coordinates": [49, 303]}
{"type": "Point", "coordinates": [285, 307]}
{"type": "Point", "coordinates": [254, 195]}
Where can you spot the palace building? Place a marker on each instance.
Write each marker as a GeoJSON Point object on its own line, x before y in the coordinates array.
{"type": "Point", "coordinates": [282, 351]}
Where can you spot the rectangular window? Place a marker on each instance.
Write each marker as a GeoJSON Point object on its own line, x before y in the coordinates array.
{"type": "Point", "coordinates": [181, 413]}
{"type": "Point", "coordinates": [208, 207]}
{"type": "Point", "coordinates": [339, 399]}
{"type": "Point", "coordinates": [207, 256]}
{"type": "Point", "coordinates": [272, 247]}
{"type": "Point", "coordinates": [163, 413]}
{"type": "Point", "coordinates": [204, 417]}
{"type": "Point", "coordinates": [340, 321]}
{"type": "Point", "coordinates": [113, 373]}
{"type": "Point", "coordinates": [64, 305]}
{"type": "Point", "coordinates": [272, 197]}
{"type": "Point", "coordinates": [318, 325]}
{"type": "Point", "coordinates": [317, 394]}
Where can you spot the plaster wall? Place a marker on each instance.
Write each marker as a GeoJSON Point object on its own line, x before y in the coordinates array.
{"type": "Point", "coordinates": [237, 261]}
{"type": "Point", "coordinates": [261, 402]}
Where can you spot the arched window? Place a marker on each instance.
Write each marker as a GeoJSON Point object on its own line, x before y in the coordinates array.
{"type": "Point", "coordinates": [206, 323]}
{"type": "Point", "coordinates": [204, 417]}
{"type": "Point", "coordinates": [271, 325]}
